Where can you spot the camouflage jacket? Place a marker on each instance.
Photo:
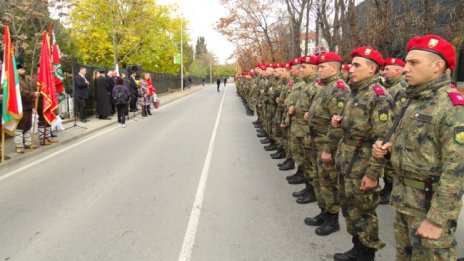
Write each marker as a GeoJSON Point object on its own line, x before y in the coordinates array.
{"type": "Point", "coordinates": [429, 145]}
{"type": "Point", "coordinates": [397, 89]}
{"type": "Point", "coordinates": [274, 90]}
{"type": "Point", "coordinates": [328, 102]}
{"type": "Point", "coordinates": [299, 125]}
{"type": "Point", "coordinates": [294, 89]}
{"type": "Point", "coordinates": [367, 117]}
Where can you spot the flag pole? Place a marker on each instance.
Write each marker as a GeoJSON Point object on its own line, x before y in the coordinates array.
{"type": "Point", "coordinates": [35, 118]}
{"type": "Point", "coordinates": [3, 146]}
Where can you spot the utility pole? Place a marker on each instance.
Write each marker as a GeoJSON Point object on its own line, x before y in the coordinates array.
{"type": "Point", "coordinates": [181, 54]}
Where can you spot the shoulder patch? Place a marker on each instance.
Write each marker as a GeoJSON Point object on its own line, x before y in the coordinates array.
{"type": "Point", "coordinates": [459, 135]}
{"type": "Point", "coordinates": [319, 81]}
{"type": "Point", "coordinates": [378, 90]}
{"type": "Point", "coordinates": [290, 84]}
{"type": "Point", "coordinates": [340, 84]}
{"type": "Point", "coordinates": [456, 98]}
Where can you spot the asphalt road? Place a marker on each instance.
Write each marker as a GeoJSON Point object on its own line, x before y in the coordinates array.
{"type": "Point", "coordinates": [128, 194]}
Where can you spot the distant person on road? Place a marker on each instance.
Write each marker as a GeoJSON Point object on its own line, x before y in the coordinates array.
{"type": "Point", "coordinates": [218, 81]}
{"type": "Point", "coordinates": [133, 91]}
{"type": "Point", "coordinates": [102, 96]}
{"type": "Point", "coordinates": [225, 81]}
{"type": "Point", "coordinates": [151, 93]}
{"type": "Point", "coordinates": [203, 81]}
{"type": "Point", "coordinates": [190, 81]}
{"type": "Point", "coordinates": [144, 99]}
{"type": "Point", "coordinates": [121, 96]}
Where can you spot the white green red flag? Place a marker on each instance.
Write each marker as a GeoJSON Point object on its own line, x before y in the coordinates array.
{"type": "Point", "coordinates": [46, 83]}
{"type": "Point", "coordinates": [56, 63]}
{"type": "Point", "coordinates": [12, 107]}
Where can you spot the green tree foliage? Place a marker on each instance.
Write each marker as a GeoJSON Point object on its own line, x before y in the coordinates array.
{"type": "Point", "coordinates": [223, 71]}
{"type": "Point", "coordinates": [128, 32]}
{"type": "Point", "coordinates": [200, 47]}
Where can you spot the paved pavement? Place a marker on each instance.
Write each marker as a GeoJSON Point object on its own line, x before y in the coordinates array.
{"type": "Point", "coordinates": [192, 182]}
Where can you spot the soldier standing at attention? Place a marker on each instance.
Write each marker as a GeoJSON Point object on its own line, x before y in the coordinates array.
{"type": "Point", "coordinates": [328, 102]}
{"type": "Point", "coordinates": [396, 86]}
{"type": "Point", "coordinates": [366, 118]}
{"type": "Point", "coordinates": [426, 152]}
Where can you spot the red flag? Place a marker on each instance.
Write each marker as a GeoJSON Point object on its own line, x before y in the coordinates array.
{"type": "Point", "coordinates": [45, 81]}
{"type": "Point", "coordinates": [12, 105]}
{"type": "Point", "coordinates": [56, 63]}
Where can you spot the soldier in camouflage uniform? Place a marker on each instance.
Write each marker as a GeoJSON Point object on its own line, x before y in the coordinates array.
{"type": "Point", "coordinates": [328, 102]}
{"type": "Point", "coordinates": [279, 96]}
{"type": "Point", "coordinates": [270, 108]}
{"type": "Point", "coordinates": [426, 152]}
{"type": "Point", "coordinates": [309, 73]}
{"type": "Point", "coordinates": [288, 164]}
{"type": "Point", "coordinates": [396, 86]}
{"type": "Point", "coordinates": [273, 93]}
{"type": "Point", "coordinates": [295, 135]}
{"type": "Point", "coordinates": [366, 117]}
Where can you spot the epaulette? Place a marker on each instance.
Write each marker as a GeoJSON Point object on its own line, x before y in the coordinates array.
{"type": "Point", "coordinates": [378, 90]}
{"type": "Point", "coordinates": [290, 84]}
{"type": "Point", "coordinates": [456, 98]}
{"type": "Point", "coordinates": [341, 84]}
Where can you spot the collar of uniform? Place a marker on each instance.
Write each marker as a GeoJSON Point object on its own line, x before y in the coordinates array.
{"type": "Point", "coordinates": [310, 79]}
{"type": "Point", "coordinates": [298, 79]}
{"type": "Point", "coordinates": [390, 83]}
{"type": "Point", "coordinates": [428, 90]}
{"type": "Point", "coordinates": [332, 78]}
{"type": "Point", "coordinates": [362, 85]}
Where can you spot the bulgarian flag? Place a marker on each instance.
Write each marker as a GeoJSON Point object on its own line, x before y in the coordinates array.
{"type": "Point", "coordinates": [46, 83]}
{"type": "Point", "coordinates": [56, 63]}
{"type": "Point", "coordinates": [12, 110]}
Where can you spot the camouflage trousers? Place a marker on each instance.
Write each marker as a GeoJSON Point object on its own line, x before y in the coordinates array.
{"type": "Point", "coordinates": [311, 171]}
{"type": "Point", "coordinates": [270, 113]}
{"type": "Point", "coordinates": [276, 130]}
{"type": "Point", "coordinates": [410, 247]}
{"type": "Point", "coordinates": [297, 149]}
{"type": "Point", "coordinates": [286, 142]}
{"type": "Point", "coordinates": [358, 208]}
{"type": "Point", "coordinates": [328, 182]}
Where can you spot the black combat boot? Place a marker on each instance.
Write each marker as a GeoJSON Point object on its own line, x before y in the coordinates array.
{"type": "Point", "coordinates": [265, 141]}
{"type": "Point", "coordinates": [385, 193]}
{"type": "Point", "coordinates": [283, 162]}
{"type": "Point", "coordinates": [289, 165]}
{"type": "Point", "coordinates": [350, 255]}
{"type": "Point", "coordinates": [308, 197]}
{"type": "Point", "coordinates": [261, 134]}
{"type": "Point", "coordinates": [256, 122]}
{"type": "Point", "coordinates": [301, 192]}
{"type": "Point", "coordinates": [280, 154]}
{"type": "Point", "coordinates": [366, 253]}
{"type": "Point", "coordinates": [299, 173]}
{"type": "Point", "coordinates": [317, 220]}
{"type": "Point", "coordinates": [330, 225]}
{"type": "Point", "coordinates": [270, 147]}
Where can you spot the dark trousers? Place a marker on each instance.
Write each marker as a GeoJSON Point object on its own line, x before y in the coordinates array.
{"type": "Point", "coordinates": [81, 105]}
{"type": "Point", "coordinates": [133, 103]}
{"type": "Point", "coordinates": [218, 86]}
{"type": "Point", "coordinates": [122, 110]}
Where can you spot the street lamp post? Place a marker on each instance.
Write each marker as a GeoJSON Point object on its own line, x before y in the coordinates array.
{"type": "Point", "coordinates": [181, 54]}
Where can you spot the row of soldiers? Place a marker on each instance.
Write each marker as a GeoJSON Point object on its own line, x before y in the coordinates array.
{"type": "Point", "coordinates": [347, 127]}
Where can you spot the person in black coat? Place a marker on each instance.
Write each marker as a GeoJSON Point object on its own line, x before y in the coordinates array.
{"type": "Point", "coordinates": [218, 82]}
{"type": "Point", "coordinates": [111, 79]}
{"type": "Point", "coordinates": [133, 91]}
{"type": "Point", "coordinates": [103, 96]}
{"type": "Point", "coordinates": [81, 92]}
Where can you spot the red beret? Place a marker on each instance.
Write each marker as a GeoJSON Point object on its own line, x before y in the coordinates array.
{"type": "Point", "coordinates": [329, 57]}
{"type": "Point", "coordinates": [369, 53]}
{"type": "Point", "coordinates": [245, 73]}
{"type": "Point", "coordinates": [394, 61]}
{"type": "Point", "coordinates": [285, 65]}
{"type": "Point", "coordinates": [295, 61]}
{"type": "Point", "coordinates": [434, 44]}
{"type": "Point", "coordinates": [309, 59]}
{"type": "Point", "coordinates": [346, 67]}
{"type": "Point", "coordinates": [263, 66]}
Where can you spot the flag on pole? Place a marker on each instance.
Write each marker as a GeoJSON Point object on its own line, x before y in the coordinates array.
{"type": "Point", "coordinates": [12, 106]}
{"type": "Point", "coordinates": [56, 63]}
{"type": "Point", "coordinates": [46, 83]}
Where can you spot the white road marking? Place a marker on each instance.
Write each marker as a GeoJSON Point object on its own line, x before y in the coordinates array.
{"type": "Point", "coordinates": [190, 234]}
{"type": "Point", "coordinates": [55, 153]}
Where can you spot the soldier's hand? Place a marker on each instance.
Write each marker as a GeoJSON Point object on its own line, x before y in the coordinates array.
{"type": "Point", "coordinates": [336, 121]}
{"type": "Point", "coordinates": [291, 110]}
{"type": "Point", "coordinates": [283, 126]}
{"type": "Point", "coordinates": [429, 231]}
{"type": "Point", "coordinates": [277, 100]}
{"type": "Point", "coordinates": [379, 151]}
{"type": "Point", "coordinates": [368, 183]}
{"type": "Point", "coordinates": [306, 116]}
{"type": "Point", "coordinates": [326, 157]}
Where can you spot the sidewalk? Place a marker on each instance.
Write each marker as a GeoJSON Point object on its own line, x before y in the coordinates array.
{"type": "Point", "coordinates": [73, 133]}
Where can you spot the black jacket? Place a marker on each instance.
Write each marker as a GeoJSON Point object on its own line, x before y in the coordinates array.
{"type": "Point", "coordinates": [82, 89]}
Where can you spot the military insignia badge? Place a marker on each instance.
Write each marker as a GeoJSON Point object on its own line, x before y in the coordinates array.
{"type": "Point", "coordinates": [383, 117]}
{"type": "Point", "coordinates": [323, 58]}
{"type": "Point", "coordinates": [433, 43]}
{"type": "Point", "coordinates": [393, 60]}
{"type": "Point", "coordinates": [367, 51]}
{"type": "Point", "coordinates": [403, 100]}
{"type": "Point", "coordinates": [340, 104]}
{"type": "Point", "coordinates": [459, 135]}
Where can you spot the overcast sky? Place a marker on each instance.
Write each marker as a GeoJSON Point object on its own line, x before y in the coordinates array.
{"type": "Point", "coordinates": [202, 16]}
